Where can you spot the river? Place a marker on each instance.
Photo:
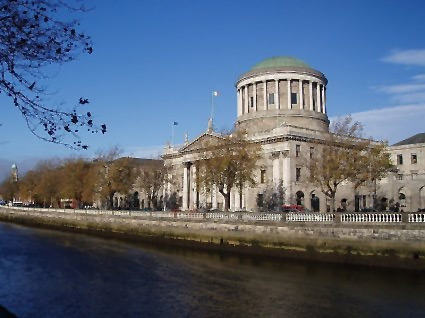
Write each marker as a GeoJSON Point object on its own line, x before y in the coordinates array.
{"type": "Point", "coordinates": [46, 273]}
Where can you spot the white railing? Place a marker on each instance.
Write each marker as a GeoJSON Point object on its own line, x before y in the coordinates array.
{"type": "Point", "coordinates": [310, 217]}
{"type": "Point", "coordinates": [380, 218]}
{"type": "Point", "coordinates": [371, 218]}
{"type": "Point", "coordinates": [416, 217]}
{"type": "Point", "coordinates": [261, 217]}
{"type": "Point", "coordinates": [189, 215]}
{"type": "Point", "coordinates": [221, 216]}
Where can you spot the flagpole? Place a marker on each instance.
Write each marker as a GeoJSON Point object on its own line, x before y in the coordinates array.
{"type": "Point", "coordinates": [172, 133]}
{"type": "Point", "coordinates": [212, 105]}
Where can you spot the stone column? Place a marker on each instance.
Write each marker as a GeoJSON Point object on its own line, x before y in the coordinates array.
{"type": "Point", "coordinates": [277, 99]}
{"type": "Point", "coordinates": [246, 106]}
{"type": "Point", "coordinates": [168, 191]}
{"type": "Point", "coordinates": [240, 109]}
{"type": "Point", "coordinates": [164, 197]}
{"type": "Point", "coordinates": [323, 100]}
{"type": "Point", "coordinates": [276, 168]}
{"type": "Point", "coordinates": [193, 184]}
{"type": "Point", "coordinates": [265, 95]}
{"type": "Point", "coordinates": [254, 94]}
{"type": "Point", "coordinates": [286, 176]}
{"type": "Point", "coordinates": [318, 103]}
{"type": "Point", "coordinates": [301, 98]}
{"type": "Point", "coordinates": [186, 186]}
{"type": "Point", "coordinates": [170, 176]}
{"type": "Point", "coordinates": [238, 199]}
{"type": "Point", "coordinates": [310, 88]}
{"type": "Point", "coordinates": [233, 199]}
{"type": "Point", "coordinates": [214, 197]}
{"type": "Point", "coordinates": [289, 94]}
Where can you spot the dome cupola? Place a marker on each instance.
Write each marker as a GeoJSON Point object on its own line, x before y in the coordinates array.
{"type": "Point", "coordinates": [282, 88]}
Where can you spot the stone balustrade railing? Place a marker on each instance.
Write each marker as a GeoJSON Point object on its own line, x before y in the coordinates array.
{"type": "Point", "coordinates": [416, 217]}
{"type": "Point", "coordinates": [355, 217]}
{"type": "Point", "coordinates": [310, 217]}
{"type": "Point", "coordinates": [371, 217]}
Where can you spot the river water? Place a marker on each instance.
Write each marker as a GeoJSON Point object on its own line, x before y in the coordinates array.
{"type": "Point", "coordinates": [47, 273]}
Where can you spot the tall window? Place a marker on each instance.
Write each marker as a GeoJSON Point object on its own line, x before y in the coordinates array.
{"type": "Point", "coordinates": [263, 176]}
{"type": "Point", "coordinates": [399, 159]}
{"type": "Point", "coordinates": [297, 174]}
{"type": "Point", "coordinates": [293, 98]}
{"type": "Point", "coordinates": [311, 152]}
{"type": "Point", "coordinates": [414, 158]}
{"type": "Point", "coordinates": [271, 98]}
{"type": "Point", "coordinates": [297, 150]}
{"type": "Point", "coordinates": [260, 200]}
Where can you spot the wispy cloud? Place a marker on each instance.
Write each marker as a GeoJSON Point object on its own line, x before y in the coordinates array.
{"type": "Point", "coordinates": [419, 78]}
{"type": "Point", "coordinates": [406, 57]}
{"type": "Point", "coordinates": [411, 91]}
{"type": "Point", "coordinates": [410, 98]}
{"type": "Point", "coordinates": [400, 88]}
{"type": "Point", "coordinates": [392, 123]}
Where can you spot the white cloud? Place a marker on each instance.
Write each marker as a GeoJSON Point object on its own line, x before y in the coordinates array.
{"type": "Point", "coordinates": [405, 119]}
{"type": "Point", "coordinates": [392, 123]}
{"type": "Point", "coordinates": [419, 78]}
{"type": "Point", "coordinates": [410, 98]}
{"type": "Point", "coordinates": [400, 88]}
{"type": "Point", "coordinates": [406, 57]}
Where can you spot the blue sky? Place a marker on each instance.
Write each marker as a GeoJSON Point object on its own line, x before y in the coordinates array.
{"type": "Point", "coordinates": [156, 62]}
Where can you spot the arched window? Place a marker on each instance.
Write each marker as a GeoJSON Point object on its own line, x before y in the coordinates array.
{"type": "Point", "coordinates": [300, 198]}
{"type": "Point", "coordinates": [135, 203]}
{"type": "Point", "coordinates": [402, 199]}
{"type": "Point", "coordinates": [315, 203]}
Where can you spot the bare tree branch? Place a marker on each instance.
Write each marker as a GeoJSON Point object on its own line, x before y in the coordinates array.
{"type": "Point", "coordinates": [33, 37]}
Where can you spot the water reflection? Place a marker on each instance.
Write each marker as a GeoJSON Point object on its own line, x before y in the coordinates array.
{"type": "Point", "coordinates": [52, 274]}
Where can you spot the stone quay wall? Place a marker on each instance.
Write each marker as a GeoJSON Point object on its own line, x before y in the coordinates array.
{"type": "Point", "coordinates": [392, 241]}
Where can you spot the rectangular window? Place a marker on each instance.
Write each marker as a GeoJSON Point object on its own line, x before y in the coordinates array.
{"type": "Point", "coordinates": [311, 152]}
{"type": "Point", "coordinates": [263, 176]}
{"type": "Point", "coordinates": [400, 177]}
{"type": "Point", "coordinates": [297, 150]}
{"type": "Point", "coordinates": [252, 101]}
{"type": "Point", "coordinates": [293, 98]}
{"type": "Point", "coordinates": [260, 200]}
{"type": "Point", "coordinates": [271, 98]}
{"type": "Point", "coordinates": [414, 158]}
{"type": "Point", "coordinates": [297, 174]}
{"type": "Point", "coordinates": [399, 159]}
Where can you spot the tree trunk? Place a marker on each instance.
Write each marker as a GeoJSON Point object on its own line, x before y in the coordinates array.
{"type": "Point", "coordinates": [240, 196]}
{"type": "Point", "coordinates": [227, 201]}
{"type": "Point", "coordinates": [226, 197]}
{"type": "Point", "coordinates": [332, 203]}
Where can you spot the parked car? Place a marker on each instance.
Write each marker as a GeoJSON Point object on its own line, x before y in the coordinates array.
{"type": "Point", "coordinates": [293, 208]}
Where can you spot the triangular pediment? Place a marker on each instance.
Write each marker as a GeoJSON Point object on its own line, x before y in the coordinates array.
{"type": "Point", "coordinates": [200, 142]}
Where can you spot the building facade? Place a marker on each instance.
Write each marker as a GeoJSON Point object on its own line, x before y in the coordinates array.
{"type": "Point", "coordinates": [281, 104]}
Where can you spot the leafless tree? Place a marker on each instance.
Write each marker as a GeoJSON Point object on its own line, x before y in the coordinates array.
{"type": "Point", "coordinates": [34, 35]}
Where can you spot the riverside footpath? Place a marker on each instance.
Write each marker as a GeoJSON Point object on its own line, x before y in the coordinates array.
{"type": "Point", "coordinates": [375, 239]}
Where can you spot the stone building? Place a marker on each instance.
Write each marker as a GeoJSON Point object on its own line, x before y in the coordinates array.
{"type": "Point", "coordinates": [406, 185]}
{"type": "Point", "coordinates": [281, 103]}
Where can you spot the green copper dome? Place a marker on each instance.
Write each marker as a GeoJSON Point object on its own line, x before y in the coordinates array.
{"type": "Point", "coordinates": [280, 61]}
